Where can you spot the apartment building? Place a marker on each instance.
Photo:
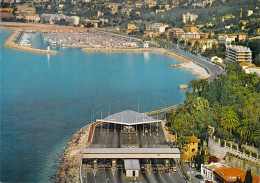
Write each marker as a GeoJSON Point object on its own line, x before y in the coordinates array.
{"type": "Point", "coordinates": [236, 53]}
{"type": "Point", "coordinates": [175, 33]}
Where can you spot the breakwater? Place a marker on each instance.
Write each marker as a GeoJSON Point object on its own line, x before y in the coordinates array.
{"type": "Point", "coordinates": [72, 160]}
{"type": "Point", "coordinates": [10, 43]}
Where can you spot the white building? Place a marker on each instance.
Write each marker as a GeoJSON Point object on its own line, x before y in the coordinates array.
{"type": "Point", "coordinates": [147, 44]}
{"type": "Point", "coordinates": [207, 170]}
{"type": "Point", "coordinates": [216, 59]}
{"type": "Point", "coordinates": [158, 27]}
{"type": "Point", "coordinates": [227, 40]}
{"type": "Point", "coordinates": [73, 20]}
{"type": "Point", "coordinates": [236, 53]}
{"type": "Point", "coordinates": [132, 167]}
{"type": "Point", "coordinates": [191, 35]}
{"type": "Point", "coordinates": [189, 17]}
{"type": "Point", "coordinates": [253, 69]}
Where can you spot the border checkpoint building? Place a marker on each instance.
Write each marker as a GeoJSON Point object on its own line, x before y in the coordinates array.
{"type": "Point", "coordinates": [129, 140]}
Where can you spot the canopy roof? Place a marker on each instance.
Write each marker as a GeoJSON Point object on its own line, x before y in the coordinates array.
{"type": "Point", "coordinates": [132, 164]}
{"type": "Point", "coordinates": [129, 118]}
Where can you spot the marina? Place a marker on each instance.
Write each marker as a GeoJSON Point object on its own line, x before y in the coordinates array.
{"type": "Point", "coordinates": [96, 39]}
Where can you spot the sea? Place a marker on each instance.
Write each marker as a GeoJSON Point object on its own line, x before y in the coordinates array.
{"type": "Point", "coordinates": [45, 99]}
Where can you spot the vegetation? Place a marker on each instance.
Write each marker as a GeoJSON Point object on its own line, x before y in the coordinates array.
{"type": "Point", "coordinates": [248, 178]}
{"type": "Point", "coordinates": [217, 50]}
{"type": "Point", "coordinates": [230, 103]}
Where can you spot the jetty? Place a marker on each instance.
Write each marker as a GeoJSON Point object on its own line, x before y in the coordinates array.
{"type": "Point", "coordinates": [11, 42]}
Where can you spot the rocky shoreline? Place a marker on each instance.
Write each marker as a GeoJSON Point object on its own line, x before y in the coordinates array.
{"type": "Point", "coordinates": [71, 162]}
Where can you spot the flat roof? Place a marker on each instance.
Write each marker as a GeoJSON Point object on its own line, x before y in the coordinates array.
{"type": "Point", "coordinates": [129, 118]}
{"type": "Point", "coordinates": [131, 151]}
{"type": "Point", "coordinates": [132, 164]}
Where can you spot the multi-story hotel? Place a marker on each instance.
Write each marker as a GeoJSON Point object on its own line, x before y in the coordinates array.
{"type": "Point", "coordinates": [237, 53]}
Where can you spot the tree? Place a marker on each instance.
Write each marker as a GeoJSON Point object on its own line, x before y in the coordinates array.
{"type": "Point", "coordinates": [229, 119]}
{"type": "Point", "coordinates": [194, 84]}
{"type": "Point", "coordinates": [239, 180]}
{"type": "Point", "coordinates": [244, 129]}
{"type": "Point", "coordinates": [248, 178]}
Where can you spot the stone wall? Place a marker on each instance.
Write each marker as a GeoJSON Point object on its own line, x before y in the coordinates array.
{"type": "Point", "coordinates": [215, 149]}
{"type": "Point", "coordinates": [242, 164]}
{"type": "Point", "coordinates": [233, 158]}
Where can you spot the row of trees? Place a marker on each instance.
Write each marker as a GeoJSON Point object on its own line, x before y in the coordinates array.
{"type": "Point", "coordinates": [230, 103]}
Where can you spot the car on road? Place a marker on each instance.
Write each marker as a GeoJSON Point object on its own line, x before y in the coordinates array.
{"type": "Point", "coordinates": [142, 169]}
{"type": "Point", "coordinates": [155, 170]}
{"type": "Point", "coordinates": [199, 176]}
{"type": "Point", "coordinates": [146, 130]}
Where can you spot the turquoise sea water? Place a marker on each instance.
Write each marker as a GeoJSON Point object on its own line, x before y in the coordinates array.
{"type": "Point", "coordinates": [45, 99]}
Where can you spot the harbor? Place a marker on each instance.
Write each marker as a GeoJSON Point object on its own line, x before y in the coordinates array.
{"type": "Point", "coordinates": [20, 40]}
{"type": "Point", "coordinates": [96, 39]}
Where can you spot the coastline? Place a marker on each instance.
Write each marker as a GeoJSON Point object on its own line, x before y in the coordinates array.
{"type": "Point", "coordinates": [10, 44]}
{"type": "Point", "coordinates": [69, 170]}
{"type": "Point", "coordinates": [186, 63]}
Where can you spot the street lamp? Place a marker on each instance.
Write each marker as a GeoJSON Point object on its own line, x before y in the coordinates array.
{"type": "Point", "coordinates": [164, 107]}
{"type": "Point", "coordinates": [163, 103]}
{"type": "Point", "coordinates": [94, 111]}
{"type": "Point", "coordinates": [109, 105]}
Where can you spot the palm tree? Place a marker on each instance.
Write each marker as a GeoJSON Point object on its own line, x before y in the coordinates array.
{"type": "Point", "coordinates": [194, 84]}
{"type": "Point", "coordinates": [204, 84]}
{"type": "Point", "coordinates": [244, 129]}
{"type": "Point", "coordinates": [229, 120]}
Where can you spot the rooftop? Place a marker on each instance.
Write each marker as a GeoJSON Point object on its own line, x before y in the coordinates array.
{"type": "Point", "coordinates": [239, 48]}
{"type": "Point", "coordinates": [193, 138]}
{"type": "Point", "coordinates": [231, 174]}
{"type": "Point", "coordinates": [215, 166]}
{"type": "Point", "coordinates": [129, 118]}
{"type": "Point", "coordinates": [131, 151]}
{"type": "Point", "coordinates": [132, 164]}
{"type": "Point", "coordinates": [245, 64]}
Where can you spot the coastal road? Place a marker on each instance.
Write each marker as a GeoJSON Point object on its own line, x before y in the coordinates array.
{"type": "Point", "coordinates": [216, 70]}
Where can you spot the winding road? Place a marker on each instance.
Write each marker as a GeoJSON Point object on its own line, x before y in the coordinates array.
{"type": "Point", "coordinates": [204, 62]}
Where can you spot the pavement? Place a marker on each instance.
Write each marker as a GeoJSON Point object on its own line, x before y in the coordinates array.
{"type": "Point", "coordinates": [109, 175]}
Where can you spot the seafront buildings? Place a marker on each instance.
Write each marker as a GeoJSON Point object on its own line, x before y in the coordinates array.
{"type": "Point", "coordinates": [236, 53]}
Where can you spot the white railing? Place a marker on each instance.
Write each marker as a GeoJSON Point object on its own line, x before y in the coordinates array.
{"type": "Point", "coordinates": [219, 151]}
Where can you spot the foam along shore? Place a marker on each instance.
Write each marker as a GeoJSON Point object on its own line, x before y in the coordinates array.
{"type": "Point", "coordinates": [186, 63]}
{"type": "Point", "coordinates": [10, 44]}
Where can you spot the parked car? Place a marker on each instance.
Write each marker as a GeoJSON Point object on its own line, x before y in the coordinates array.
{"type": "Point", "coordinates": [174, 169]}
{"type": "Point", "coordinates": [199, 176]}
